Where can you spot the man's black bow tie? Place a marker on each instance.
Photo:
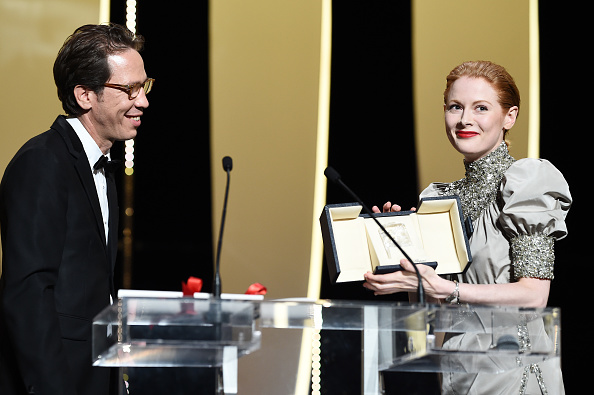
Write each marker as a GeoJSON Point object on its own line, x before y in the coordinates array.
{"type": "Point", "coordinates": [108, 165]}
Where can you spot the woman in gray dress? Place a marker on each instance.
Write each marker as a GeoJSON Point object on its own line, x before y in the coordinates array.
{"type": "Point", "coordinates": [518, 210]}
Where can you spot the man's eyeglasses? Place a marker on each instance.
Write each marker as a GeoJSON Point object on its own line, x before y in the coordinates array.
{"type": "Point", "coordinates": [134, 90]}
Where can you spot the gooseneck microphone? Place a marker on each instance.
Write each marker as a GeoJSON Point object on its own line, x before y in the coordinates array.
{"type": "Point", "coordinates": [227, 166]}
{"type": "Point", "coordinates": [333, 176]}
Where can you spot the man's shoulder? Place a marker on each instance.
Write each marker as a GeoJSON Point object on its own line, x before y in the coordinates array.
{"type": "Point", "coordinates": [42, 150]}
{"type": "Point", "coordinates": [55, 138]}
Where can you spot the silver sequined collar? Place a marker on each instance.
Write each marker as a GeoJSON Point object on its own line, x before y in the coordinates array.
{"type": "Point", "coordinates": [479, 187]}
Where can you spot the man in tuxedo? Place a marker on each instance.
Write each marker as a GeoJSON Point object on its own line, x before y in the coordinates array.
{"type": "Point", "coordinates": [58, 216]}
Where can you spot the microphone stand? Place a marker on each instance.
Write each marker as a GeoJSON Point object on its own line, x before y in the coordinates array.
{"type": "Point", "coordinates": [333, 176]}
{"type": "Point", "coordinates": [216, 304]}
{"type": "Point", "coordinates": [227, 166]}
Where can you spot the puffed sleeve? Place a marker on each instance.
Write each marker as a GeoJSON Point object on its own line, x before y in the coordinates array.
{"type": "Point", "coordinates": [536, 199]}
{"type": "Point", "coordinates": [434, 189]}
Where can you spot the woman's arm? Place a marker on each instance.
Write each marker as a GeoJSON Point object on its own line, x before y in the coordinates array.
{"type": "Point", "coordinates": [527, 292]}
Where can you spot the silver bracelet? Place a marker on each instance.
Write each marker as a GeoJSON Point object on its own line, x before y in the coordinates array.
{"type": "Point", "coordinates": [454, 297]}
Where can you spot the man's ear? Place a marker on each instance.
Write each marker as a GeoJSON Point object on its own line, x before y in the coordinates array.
{"type": "Point", "coordinates": [83, 96]}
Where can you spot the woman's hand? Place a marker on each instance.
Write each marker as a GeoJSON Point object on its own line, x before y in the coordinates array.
{"type": "Point", "coordinates": [389, 207]}
{"type": "Point", "coordinates": [406, 281]}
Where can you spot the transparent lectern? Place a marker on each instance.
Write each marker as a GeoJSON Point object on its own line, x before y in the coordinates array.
{"type": "Point", "coordinates": [156, 331]}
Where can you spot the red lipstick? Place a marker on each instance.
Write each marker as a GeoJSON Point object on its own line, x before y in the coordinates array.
{"type": "Point", "coordinates": [466, 134]}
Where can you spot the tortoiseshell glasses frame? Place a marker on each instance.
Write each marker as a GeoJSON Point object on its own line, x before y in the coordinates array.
{"type": "Point", "coordinates": [134, 90]}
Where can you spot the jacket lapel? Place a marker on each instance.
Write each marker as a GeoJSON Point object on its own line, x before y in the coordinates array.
{"type": "Point", "coordinates": [81, 164]}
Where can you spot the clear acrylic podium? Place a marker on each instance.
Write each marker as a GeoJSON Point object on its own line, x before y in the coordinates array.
{"type": "Point", "coordinates": [154, 331]}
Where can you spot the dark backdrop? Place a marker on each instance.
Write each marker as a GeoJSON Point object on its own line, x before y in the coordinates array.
{"type": "Point", "coordinates": [563, 91]}
{"type": "Point", "coordinates": [172, 204]}
{"type": "Point", "coordinates": [371, 118]}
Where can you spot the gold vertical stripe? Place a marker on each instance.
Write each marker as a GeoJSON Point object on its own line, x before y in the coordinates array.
{"type": "Point", "coordinates": [266, 86]}
{"type": "Point", "coordinates": [104, 10]}
{"type": "Point", "coordinates": [432, 60]}
{"type": "Point", "coordinates": [319, 199]}
{"type": "Point", "coordinates": [534, 82]}
{"type": "Point", "coordinates": [304, 371]}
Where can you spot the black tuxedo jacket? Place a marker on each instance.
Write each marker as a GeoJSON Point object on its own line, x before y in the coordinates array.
{"type": "Point", "coordinates": [57, 267]}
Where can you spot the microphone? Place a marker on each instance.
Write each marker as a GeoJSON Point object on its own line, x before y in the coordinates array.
{"type": "Point", "coordinates": [227, 163]}
{"type": "Point", "coordinates": [333, 176]}
{"type": "Point", "coordinates": [227, 166]}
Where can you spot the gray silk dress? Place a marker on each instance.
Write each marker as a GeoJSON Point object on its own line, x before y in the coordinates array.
{"type": "Point", "coordinates": [518, 210]}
